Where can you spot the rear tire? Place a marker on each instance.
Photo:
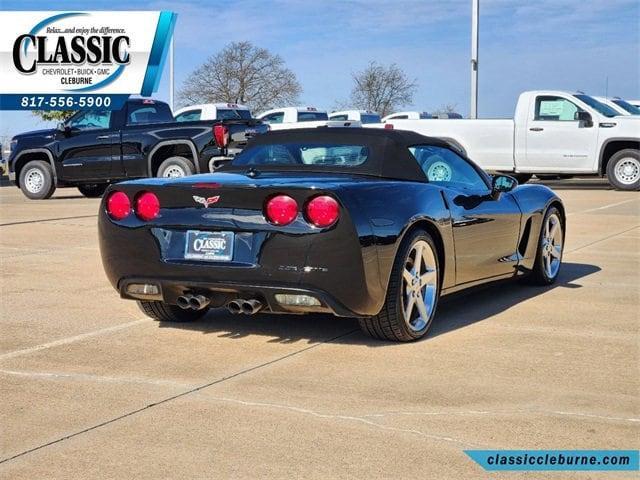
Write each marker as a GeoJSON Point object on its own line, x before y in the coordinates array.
{"type": "Point", "coordinates": [176, 167]}
{"type": "Point", "coordinates": [550, 249]}
{"type": "Point", "coordinates": [163, 312]}
{"type": "Point", "coordinates": [93, 190]}
{"type": "Point", "coordinates": [623, 169]}
{"type": "Point", "coordinates": [412, 294]}
{"type": "Point", "coordinates": [36, 180]}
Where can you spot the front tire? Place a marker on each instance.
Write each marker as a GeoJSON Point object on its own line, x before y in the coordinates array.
{"type": "Point", "coordinates": [93, 190]}
{"type": "Point", "coordinates": [176, 167]}
{"type": "Point", "coordinates": [36, 180]}
{"type": "Point", "coordinates": [163, 312]}
{"type": "Point", "coordinates": [623, 170]}
{"type": "Point", "coordinates": [550, 248]}
{"type": "Point", "coordinates": [412, 294]}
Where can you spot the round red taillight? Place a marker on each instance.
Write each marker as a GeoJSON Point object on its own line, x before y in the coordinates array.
{"type": "Point", "coordinates": [118, 205]}
{"type": "Point", "coordinates": [281, 210]}
{"type": "Point", "coordinates": [323, 211]}
{"type": "Point", "coordinates": [147, 206]}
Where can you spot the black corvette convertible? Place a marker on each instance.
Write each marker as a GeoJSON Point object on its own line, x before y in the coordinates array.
{"type": "Point", "coordinates": [367, 223]}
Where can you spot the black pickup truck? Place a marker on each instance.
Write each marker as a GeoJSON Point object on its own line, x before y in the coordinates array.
{"type": "Point", "coordinates": [94, 148]}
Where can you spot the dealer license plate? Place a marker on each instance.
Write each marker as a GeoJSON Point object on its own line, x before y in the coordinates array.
{"type": "Point", "coordinates": [209, 246]}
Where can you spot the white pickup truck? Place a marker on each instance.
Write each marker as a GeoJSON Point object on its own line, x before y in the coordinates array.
{"type": "Point", "coordinates": [362, 116]}
{"type": "Point", "coordinates": [553, 132]}
{"type": "Point", "coordinates": [213, 111]}
{"type": "Point", "coordinates": [301, 117]}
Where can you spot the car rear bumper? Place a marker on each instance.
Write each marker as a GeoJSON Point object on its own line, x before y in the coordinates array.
{"type": "Point", "coordinates": [338, 271]}
{"type": "Point", "coordinates": [221, 293]}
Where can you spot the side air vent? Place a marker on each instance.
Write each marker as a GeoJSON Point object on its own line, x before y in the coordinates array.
{"type": "Point", "coordinates": [524, 239]}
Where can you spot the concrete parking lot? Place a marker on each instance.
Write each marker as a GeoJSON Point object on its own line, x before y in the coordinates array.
{"type": "Point", "coordinates": [90, 388]}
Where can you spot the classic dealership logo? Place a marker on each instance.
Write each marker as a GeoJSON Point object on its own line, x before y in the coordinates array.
{"type": "Point", "coordinates": [206, 201]}
{"type": "Point", "coordinates": [81, 60]}
{"type": "Point", "coordinates": [208, 244]}
{"type": "Point", "coordinates": [76, 55]}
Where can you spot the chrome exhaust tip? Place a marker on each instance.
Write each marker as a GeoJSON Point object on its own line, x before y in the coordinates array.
{"type": "Point", "coordinates": [251, 307]}
{"type": "Point", "coordinates": [234, 307]}
{"type": "Point", "coordinates": [183, 302]}
{"type": "Point", "coordinates": [198, 302]}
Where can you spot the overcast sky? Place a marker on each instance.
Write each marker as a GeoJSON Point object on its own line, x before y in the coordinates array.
{"type": "Point", "coordinates": [528, 44]}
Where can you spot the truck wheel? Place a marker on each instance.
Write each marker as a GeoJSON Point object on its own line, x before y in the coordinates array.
{"type": "Point", "coordinates": [623, 170]}
{"type": "Point", "coordinates": [176, 167]}
{"type": "Point", "coordinates": [36, 180]}
{"type": "Point", "coordinates": [412, 295]}
{"type": "Point", "coordinates": [522, 178]}
{"type": "Point", "coordinates": [163, 312]}
{"type": "Point", "coordinates": [93, 190]}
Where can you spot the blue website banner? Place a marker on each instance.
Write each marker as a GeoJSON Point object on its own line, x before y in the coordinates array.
{"type": "Point", "coordinates": [568, 460]}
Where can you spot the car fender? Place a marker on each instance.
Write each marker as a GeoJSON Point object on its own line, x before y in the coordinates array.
{"type": "Point", "coordinates": [533, 201]}
{"type": "Point", "coordinates": [416, 204]}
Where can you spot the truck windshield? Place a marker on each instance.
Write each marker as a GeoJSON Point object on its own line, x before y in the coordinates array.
{"type": "Point", "coordinates": [312, 116]}
{"type": "Point", "coordinates": [601, 108]}
{"type": "Point", "coordinates": [297, 154]}
{"type": "Point", "coordinates": [632, 109]}
{"type": "Point", "coordinates": [232, 114]}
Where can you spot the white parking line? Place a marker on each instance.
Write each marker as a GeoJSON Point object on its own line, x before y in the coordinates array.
{"type": "Point", "coordinates": [76, 338]}
{"type": "Point", "coordinates": [603, 207]}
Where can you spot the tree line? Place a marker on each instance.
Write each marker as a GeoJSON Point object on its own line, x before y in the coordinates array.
{"type": "Point", "coordinates": [247, 74]}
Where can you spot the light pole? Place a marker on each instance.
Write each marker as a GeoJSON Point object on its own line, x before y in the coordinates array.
{"type": "Point", "coordinates": [475, 10]}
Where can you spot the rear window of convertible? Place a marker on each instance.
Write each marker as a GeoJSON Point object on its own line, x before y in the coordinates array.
{"type": "Point", "coordinates": [318, 154]}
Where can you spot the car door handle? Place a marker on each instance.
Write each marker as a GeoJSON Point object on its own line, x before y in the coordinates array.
{"type": "Point", "coordinates": [536, 129]}
{"type": "Point", "coordinates": [103, 137]}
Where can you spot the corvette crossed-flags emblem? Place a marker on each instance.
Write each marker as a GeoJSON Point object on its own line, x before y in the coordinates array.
{"type": "Point", "coordinates": [206, 201]}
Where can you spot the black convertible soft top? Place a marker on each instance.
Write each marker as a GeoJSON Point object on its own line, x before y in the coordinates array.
{"type": "Point", "coordinates": [389, 150]}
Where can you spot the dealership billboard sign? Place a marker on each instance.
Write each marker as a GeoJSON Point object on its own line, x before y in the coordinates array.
{"type": "Point", "coordinates": [76, 60]}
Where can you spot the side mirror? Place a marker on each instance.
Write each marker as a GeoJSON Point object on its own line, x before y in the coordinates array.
{"type": "Point", "coordinates": [502, 184]}
{"type": "Point", "coordinates": [62, 128]}
{"type": "Point", "coordinates": [584, 118]}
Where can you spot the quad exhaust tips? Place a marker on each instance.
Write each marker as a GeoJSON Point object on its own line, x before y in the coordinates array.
{"type": "Point", "coordinates": [248, 307]}
{"type": "Point", "coordinates": [192, 302]}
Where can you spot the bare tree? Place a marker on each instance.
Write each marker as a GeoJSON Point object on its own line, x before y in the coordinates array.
{"type": "Point", "coordinates": [242, 73]}
{"type": "Point", "coordinates": [382, 88]}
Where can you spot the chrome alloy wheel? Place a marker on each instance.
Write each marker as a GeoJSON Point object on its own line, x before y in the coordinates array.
{"type": "Point", "coordinates": [552, 245]}
{"type": "Point", "coordinates": [34, 180]}
{"type": "Point", "coordinates": [174, 171]}
{"type": "Point", "coordinates": [419, 285]}
{"type": "Point", "coordinates": [627, 170]}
